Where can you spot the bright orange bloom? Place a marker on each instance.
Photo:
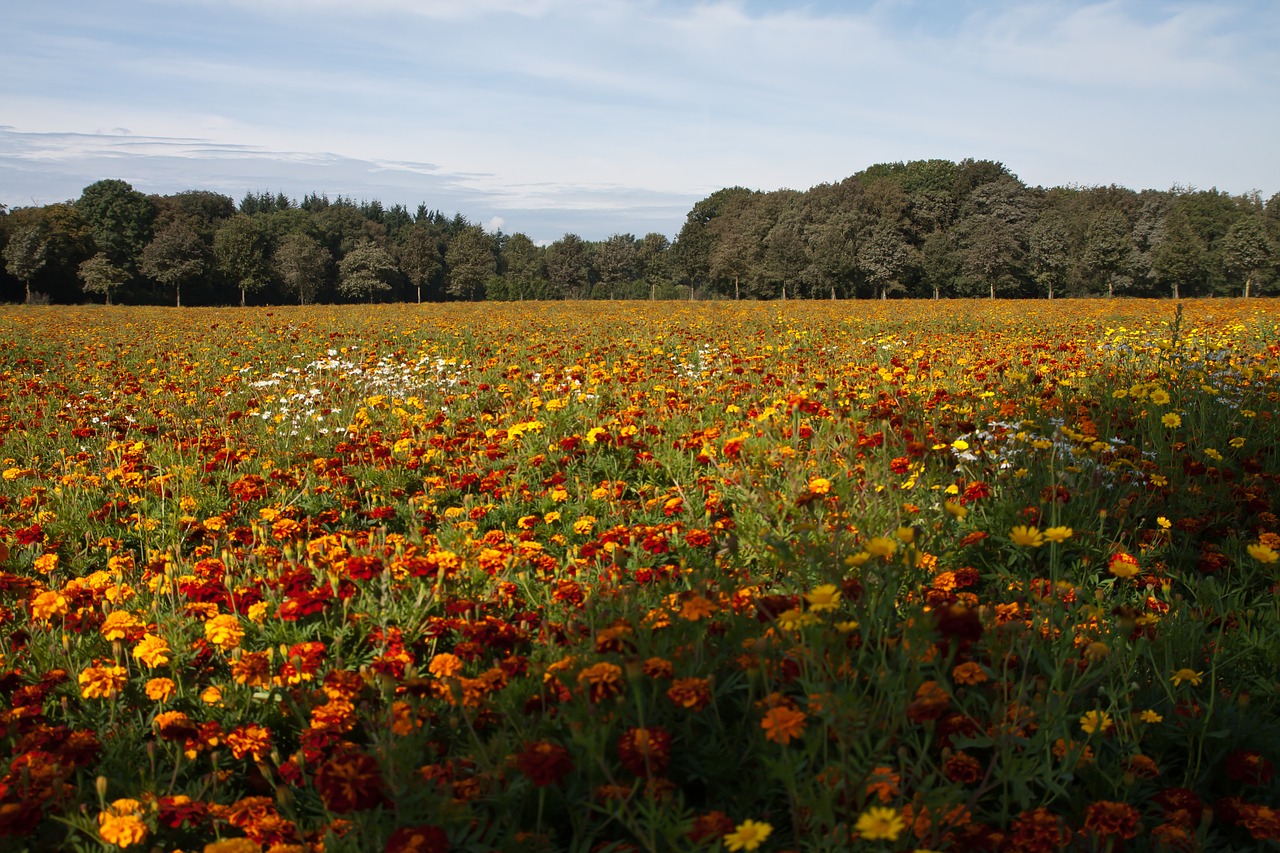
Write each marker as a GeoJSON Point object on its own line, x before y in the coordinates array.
{"type": "Point", "coordinates": [782, 724]}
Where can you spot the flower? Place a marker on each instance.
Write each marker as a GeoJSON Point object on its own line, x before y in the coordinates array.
{"type": "Point", "coordinates": [691, 693]}
{"type": "Point", "coordinates": [881, 546]}
{"type": "Point", "coordinates": [544, 763]}
{"type": "Point", "coordinates": [1123, 565]}
{"type": "Point", "coordinates": [968, 673]}
{"type": "Point", "coordinates": [819, 485]}
{"type": "Point", "coordinates": [1150, 716]}
{"type": "Point", "coordinates": [152, 651]}
{"type": "Point", "coordinates": [748, 836]}
{"type": "Point", "coordinates": [445, 665]}
{"type": "Point", "coordinates": [880, 823]}
{"type": "Point", "coordinates": [1164, 523]}
{"type": "Point", "coordinates": [602, 680]}
{"type": "Point", "coordinates": [350, 781]}
{"type": "Point", "coordinates": [49, 604]}
{"type": "Point", "coordinates": [224, 631]}
{"type": "Point", "coordinates": [1263, 553]}
{"type": "Point", "coordinates": [1058, 535]}
{"type": "Point", "coordinates": [102, 682]}
{"type": "Point", "coordinates": [1160, 397]}
{"type": "Point", "coordinates": [120, 824]}
{"type": "Point", "coordinates": [824, 597]}
{"type": "Point", "coordinates": [1186, 674]}
{"type": "Point", "coordinates": [1095, 721]}
{"type": "Point", "coordinates": [956, 510]}
{"type": "Point", "coordinates": [161, 689]}
{"type": "Point", "coordinates": [1027, 537]}
{"type": "Point", "coordinates": [783, 724]}
{"type": "Point", "coordinates": [1110, 818]}
{"type": "Point", "coordinates": [1171, 420]}
{"type": "Point", "coordinates": [645, 751]}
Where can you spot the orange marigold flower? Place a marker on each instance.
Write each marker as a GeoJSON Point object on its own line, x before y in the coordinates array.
{"type": "Point", "coordinates": [968, 673]}
{"type": "Point", "coordinates": [658, 668]}
{"type": "Point", "coordinates": [102, 682]}
{"type": "Point", "coordinates": [1106, 818]}
{"type": "Point", "coordinates": [783, 724]}
{"type": "Point", "coordinates": [48, 604]}
{"type": "Point", "coordinates": [1123, 565]}
{"type": "Point", "coordinates": [161, 689]}
{"type": "Point", "coordinates": [249, 739]}
{"type": "Point", "coordinates": [224, 631]}
{"type": "Point", "coordinates": [691, 693]}
{"type": "Point", "coordinates": [696, 607]}
{"type": "Point", "coordinates": [152, 651]}
{"type": "Point", "coordinates": [120, 824]}
{"type": "Point", "coordinates": [884, 784]}
{"type": "Point", "coordinates": [602, 680]}
{"type": "Point", "coordinates": [120, 625]}
{"type": "Point", "coordinates": [445, 665]}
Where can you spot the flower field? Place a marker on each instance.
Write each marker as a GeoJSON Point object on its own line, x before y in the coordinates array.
{"type": "Point", "coordinates": [641, 577]}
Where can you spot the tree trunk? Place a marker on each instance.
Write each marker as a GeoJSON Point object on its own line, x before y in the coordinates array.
{"type": "Point", "coordinates": [1051, 291]}
{"type": "Point", "coordinates": [937, 293]}
{"type": "Point", "coordinates": [242, 297]}
{"type": "Point", "coordinates": [1111, 288]}
{"type": "Point", "coordinates": [784, 291]}
{"type": "Point", "coordinates": [177, 295]}
{"type": "Point", "coordinates": [1248, 280]}
{"type": "Point", "coordinates": [419, 294]}
{"type": "Point", "coordinates": [992, 285]}
{"type": "Point", "coordinates": [735, 288]}
{"type": "Point", "coordinates": [833, 293]}
{"type": "Point", "coordinates": [1175, 290]}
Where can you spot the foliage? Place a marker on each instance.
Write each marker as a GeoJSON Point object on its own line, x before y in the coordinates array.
{"type": "Point", "coordinates": [825, 576]}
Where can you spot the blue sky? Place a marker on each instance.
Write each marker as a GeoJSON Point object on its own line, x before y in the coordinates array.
{"type": "Point", "coordinates": [604, 116]}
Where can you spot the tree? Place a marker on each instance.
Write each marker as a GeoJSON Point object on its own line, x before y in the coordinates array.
{"type": "Point", "coordinates": [615, 261]}
{"type": "Point", "coordinates": [1048, 255]}
{"type": "Point", "coordinates": [175, 255]}
{"type": "Point", "coordinates": [524, 269]}
{"type": "Point", "coordinates": [884, 256]}
{"type": "Point", "coordinates": [418, 253]}
{"type": "Point", "coordinates": [992, 235]}
{"type": "Point", "coordinates": [242, 250]}
{"type": "Point", "coordinates": [27, 252]}
{"type": "Point", "coordinates": [653, 261]}
{"type": "Point", "coordinates": [1108, 251]}
{"type": "Point", "coordinates": [471, 262]}
{"type": "Point", "coordinates": [367, 270]}
{"type": "Point", "coordinates": [303, 265]}
{"type": "Point", "coordinates": [1247, 252]}
{"type": "Point", "coordinates": [119, 217]}
{"type": "Point", "coordinates": [568, 267]}
{"type": "Point", "coordinates": [940, 262]}
{"type": "Point", "coordinates": [1176, 259]}
{"type": "Point", "coordinates": [101, 276]}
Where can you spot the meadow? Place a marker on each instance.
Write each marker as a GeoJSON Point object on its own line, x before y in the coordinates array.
{"type": "Point", "coordinates": [813, 576]}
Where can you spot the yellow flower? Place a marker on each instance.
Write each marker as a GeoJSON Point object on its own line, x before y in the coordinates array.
{"type": "Point", "coordinates": [1187, 674]}
{"type": "Point", "coordinates": [1150, 716]}
{"type": "Point", "coordinates": [825, 597]}
{"type": "Point", "coordinates": [152, 651]}
{"type": "Point", "coordinates": [102, 682]}
{"type": "Point", "coordinates": [1160, 397]}
{"type": "Point", "coordinates": [1058, 534]}
{"type": "Point", "coordinates": [211, 695]}
{"type": "Point", "coordinates": [881, 546]}
{"type": "Point", "coordinates": [1095, 721]}
{"type": "Point", "coordinates": [956, 510]}
{"type": "Point", "coordinates": [122, 830]}
{"type": "Point", "coordinates": [1164, 523]}
{"type": "Point", "coordinates": [233, 845]}
{"type": "Point", "coordinates": [1171, 420]}
{"type": "Point", "coordinates": [1028, 537]}
{"type": "Point", "coordinates": [161, 689]}
{"type": "Point", "coordinates": [748, 836]}
{"type": "Point", "coordinates": [119, 624]}
{"type": "Point", "coordinates": [1263, 553]}
{"type": "Point", "coordinates": [49, 604]}
{"type": "Point", "coordinates": [1213, 454]}
{"type": "Point", "coordinates": [224, 631]}
{"type": "Point", "coordinates": [819, 485]}
{"type": "Point", "coordinates": [879, 823]}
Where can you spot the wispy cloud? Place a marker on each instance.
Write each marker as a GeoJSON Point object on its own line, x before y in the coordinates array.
{"type": "Point", "coordinates": [606, 105]}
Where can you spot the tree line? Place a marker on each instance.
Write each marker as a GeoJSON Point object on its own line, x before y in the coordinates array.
{"type": "Point", "coordinates": [922, 229]}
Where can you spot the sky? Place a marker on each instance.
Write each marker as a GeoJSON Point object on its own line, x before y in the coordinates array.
{"type": "Point", "coordinates": [599, 117]}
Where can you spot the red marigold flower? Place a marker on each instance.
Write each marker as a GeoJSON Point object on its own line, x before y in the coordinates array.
{"type": "Point", "coordinates": [691, 693]}
{"type": "Point", "coordinates": [1106, 817]}
{"type": "Point", "coordinates": [544, 762]}
{"type": "Point", "coordinates": [424, 838]}
{"type": "Point", "coordinates": [350, 781]}
{"type": "Point", "coordinates": [962, 769]}
{"type": "Point", "coordinates": [1038, 831]}
{"type": "Point", "coordinates": [710, 827]}
{"type": "Point", "coordinates": [645, 751]}
{"type": "Point", "coordinates": [1249, 766]}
